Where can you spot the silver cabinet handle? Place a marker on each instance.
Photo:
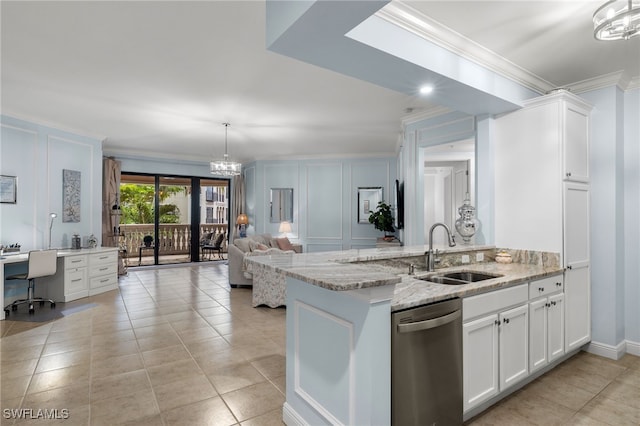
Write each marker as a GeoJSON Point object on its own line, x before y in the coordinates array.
{"type": "Point", "coordinates": [427, 324]}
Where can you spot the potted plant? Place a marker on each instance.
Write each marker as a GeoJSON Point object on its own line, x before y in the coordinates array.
{"type": "Point", "coordinates": [382, 220]}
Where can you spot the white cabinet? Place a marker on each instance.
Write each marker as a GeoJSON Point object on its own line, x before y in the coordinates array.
{"type": "Point", "coordinates": [514, 345]}
{"type": "Point", "coordinates": [70, 281]}
{"type": "Point", "coordinates": [577, 275]}
{"type": "Point", "coordinates": [542, 194]}
{"type": "Point", "coordinates": [495, 343]}
{"type": "Point", "coordinates": [546, 322]}
{"type": "Point", "coordinates": [103, 272]}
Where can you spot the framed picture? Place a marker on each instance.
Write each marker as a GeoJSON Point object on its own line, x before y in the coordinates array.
{"type": "Point", "coordinates": [368, 199]}
{"type": "Point", "coordinates": [8, 189]}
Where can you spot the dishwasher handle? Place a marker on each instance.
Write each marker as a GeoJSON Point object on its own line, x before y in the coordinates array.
{"type": "Point", "coordinates": [430, 323]}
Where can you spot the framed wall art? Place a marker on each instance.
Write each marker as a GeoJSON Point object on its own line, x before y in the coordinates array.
{"type": "Point", "coordinates": [368, 199]}
{"type": "Point", "coordinates": [8, 189]}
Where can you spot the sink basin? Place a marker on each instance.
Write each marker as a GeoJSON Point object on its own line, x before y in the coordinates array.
{"type": "Point", "coordinates": [459, 278]}
{"type": "Point", "coordinates": [470, 276]}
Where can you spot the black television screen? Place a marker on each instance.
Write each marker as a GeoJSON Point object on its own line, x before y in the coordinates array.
{"type": "Point", "coordinates": [400, 204]}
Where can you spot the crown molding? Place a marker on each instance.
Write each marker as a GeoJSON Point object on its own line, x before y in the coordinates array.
{"type": "Point", "coordinates": [618, 78]}
{"type": "Point", "coordinates": [423, 115]}
{"type": "Point", "coordinates": [416, 22]}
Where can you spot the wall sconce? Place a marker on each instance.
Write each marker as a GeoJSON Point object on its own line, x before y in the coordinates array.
{"type": "Point", "coordinates": [242, 221]}
{"type": "Point", "coordinates": [285, 228]}
{"type": "Point", "coordinates": [52, 216]}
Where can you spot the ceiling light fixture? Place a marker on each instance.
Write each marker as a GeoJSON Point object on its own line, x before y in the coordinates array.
{"type": "Point", "coordinates": [225, 167]}
{"type": "Point", "coordinates": [617, 20]}
{"type": "Point", "coordinates": [425, 90]}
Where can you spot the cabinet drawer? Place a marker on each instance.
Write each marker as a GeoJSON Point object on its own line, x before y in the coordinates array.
{"type": "Point", "coordinates": [100, 270]}
{"type": "Point", "coordinates": [75, 262]}
{"type": "Point", "coordinates": [104, 258]}
{"type": "Point", "coordinates": [106, 281]}
{"type": "Point", "coordinates": [75, 280]}
{"type": "Point", "coordinates": [545, 286]}
{"type": "Point", "coordinates": [493, 301]}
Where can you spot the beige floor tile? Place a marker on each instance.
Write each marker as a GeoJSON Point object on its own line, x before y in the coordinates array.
{"type": "Point", "coordinates": [183, 392]}
{"type": "Point", "coordinates": [557, 390]}
{"type": "Point", "coordinates": [22, 340]}
{"type": "Point", "coordinates": [630, 377]}
{"type": "Point", "coordinates": [11, 354]}
{"type": "Point", "coordinates": [63, 360]}
{"type": "Point", "coordinates": [145, 322]}
{"type": "Point", "coordinates": [623, 393]}
{"type": "Point", "coordinates": [254, 400]}
{"type": "Point", "coordinates": [58, 378]}
{"type": "Point", "coordinates": [210, 412]}
{"type": "Point", "coordinates": [11, 388]}
{"type": "Point", "coordinates": [120, 385]}
{"type": "Point", "coordinates": [280, 383]}
{"type": "Point", "coordinates": [261, 350]}
{"type": "Point", "coordinates": [270, 366]}
{"type": "Point", "coordinates": [165, 355]}
{"type": "Point", "coordinates": [121, 409]}
{"type": "Point", "coordinates": [272, 418]}
{"type": "Point", "coordinates": [103, 351]}
{"type": "Point", "coordinates": [538, 410]}
{"type": "Point", "coordinates": [115, 365]}
{"type": "Point", "coordinates": [197, 334]}
{"type": "Point", "coordinates": [13, 369]}
{"type": "Point", "coordinates": [207, 346]}
{"type": "Point", "coordinates": [154, 330]}
{"type": "Point", "coordinates": [612, 412]}
{"type": "Point", "coordinates": [499, 415]}
{"type": "Point", "coordinates": [232, 377]}
{"type": "Point", "coordinates": [580, 419]}
{"type": "Point", "coordinates": [106, 339]}
{"type": "Point", "coordinates": [69, 397]}
{"type": "Point", "coordinates": [74, 344]}
{"type": "Point", "coordinates": [157, 342]}
{"type": "Point", "coordinates": [173, 372]}
{"type": "Point", "coordinates": [76, 416]}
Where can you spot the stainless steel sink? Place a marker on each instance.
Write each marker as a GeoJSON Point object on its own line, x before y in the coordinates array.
{"type": "Point", "coordinates": [459, 278]}
{"type": "Point", "coordinates": [470, 276]}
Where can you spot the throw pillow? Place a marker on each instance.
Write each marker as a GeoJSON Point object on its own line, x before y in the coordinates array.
{"type": "Point", "coordinates": [255, 245]}
{"type": "Point", "coordinates": [284, 244]}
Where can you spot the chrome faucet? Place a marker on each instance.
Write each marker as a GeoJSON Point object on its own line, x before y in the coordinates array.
{"type": "Point", "coordinates": [431, 260]}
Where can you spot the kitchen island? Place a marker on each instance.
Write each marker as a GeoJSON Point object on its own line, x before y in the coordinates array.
{"type": "Point", "coordinates": [338, 320]}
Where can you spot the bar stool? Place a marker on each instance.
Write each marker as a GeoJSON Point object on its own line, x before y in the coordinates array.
{"type": "Point", "coordinates": [42, 263]}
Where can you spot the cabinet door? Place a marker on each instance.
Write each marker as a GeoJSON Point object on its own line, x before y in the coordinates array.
{"type": "Point", "coordinates": [577, 307]}
{"type": "Point", "coordinates": [480, 360]}
{"type": "Point", "coordinates": [514, 345]}
{"type": "Point", "coordinates": [555, 326]}
{"type": "Point", "coordinates": [576, 143]}
{"type": "Point", "coordinates": [538, 334]}
{"type": "Point", "coordinates": [576, 260]}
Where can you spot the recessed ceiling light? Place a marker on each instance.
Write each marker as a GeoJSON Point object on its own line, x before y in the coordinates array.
{"type": "Point", "coordinates": [425, 90]}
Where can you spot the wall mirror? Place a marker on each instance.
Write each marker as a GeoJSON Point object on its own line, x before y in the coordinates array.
{"type": "Point", "coordinates": [281, 201]}
{"type": "Point", "coordinates": [449, 175]}
{"type": "Point", "coordinates": [368, 199]}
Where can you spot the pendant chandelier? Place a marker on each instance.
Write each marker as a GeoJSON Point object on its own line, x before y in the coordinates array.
{"type": "Point", "coordinates": [617, 20]}
{"type": "Point", "coordinates": [224, 167]}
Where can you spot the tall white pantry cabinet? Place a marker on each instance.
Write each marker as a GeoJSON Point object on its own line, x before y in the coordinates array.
{"type": "Point", "coordinates": [542, 194]}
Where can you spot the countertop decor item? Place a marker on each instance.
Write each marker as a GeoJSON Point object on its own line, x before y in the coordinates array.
{"type": "Point", "coordinates": [92, 241]}
{"type": "Point", "coordinates": [503, 257]}
{"type": "Point", "coordinates": [466, 224]}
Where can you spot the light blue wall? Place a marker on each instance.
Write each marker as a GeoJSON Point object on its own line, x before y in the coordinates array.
{"type": "Point", "coordinates": [614, 234]}
{"type": "Point", "coordinates": [324, 199]}
{"type": "Point", "coordinates": [631, 212]}
{"type": "Point", "coordinates": [37, 154]}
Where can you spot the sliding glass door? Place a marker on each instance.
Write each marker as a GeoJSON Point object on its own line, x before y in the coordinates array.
{"type": "Point", "coordinates": [165, 218]}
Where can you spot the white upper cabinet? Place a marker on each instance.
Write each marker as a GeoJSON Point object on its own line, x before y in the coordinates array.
{"type": "Point", "coordinates": [576, 141]}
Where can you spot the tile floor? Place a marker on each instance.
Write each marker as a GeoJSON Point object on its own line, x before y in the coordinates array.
{"type": "Point", "coordinates": [177, 346]}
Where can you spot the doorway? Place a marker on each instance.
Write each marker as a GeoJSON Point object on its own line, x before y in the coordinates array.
{"type": "Point", "coordinates": [165, 217]}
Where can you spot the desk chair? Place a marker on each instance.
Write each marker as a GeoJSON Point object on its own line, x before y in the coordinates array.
{"type": "Point", "coordinates": [42, 263]}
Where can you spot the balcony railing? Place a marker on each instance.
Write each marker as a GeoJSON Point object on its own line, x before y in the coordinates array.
{"type": "Point", "coordinates": [172, 238]}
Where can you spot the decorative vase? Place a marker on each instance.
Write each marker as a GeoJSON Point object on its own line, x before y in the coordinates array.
{"type": "Point", "coordinates": [466, 224]}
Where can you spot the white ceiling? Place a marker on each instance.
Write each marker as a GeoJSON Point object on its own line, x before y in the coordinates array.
{"type": "Point", "coordinates": [158, 78]}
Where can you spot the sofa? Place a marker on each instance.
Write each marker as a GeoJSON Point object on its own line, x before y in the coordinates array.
{"type": "Point", "coordinates": [268, 286]}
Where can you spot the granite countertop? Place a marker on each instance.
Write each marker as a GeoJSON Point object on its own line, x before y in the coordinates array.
{"type": "Point", "coordinates": [356, 269]}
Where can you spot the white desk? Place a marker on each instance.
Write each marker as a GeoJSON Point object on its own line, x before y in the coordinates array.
{"type": "Point", "coordinates": [80, 273]}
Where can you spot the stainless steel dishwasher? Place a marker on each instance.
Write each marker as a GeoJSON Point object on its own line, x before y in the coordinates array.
{"type": "Point", "coordinates": [426, 365]}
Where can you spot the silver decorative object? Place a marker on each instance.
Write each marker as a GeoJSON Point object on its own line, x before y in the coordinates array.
{"type": "Point", "coordinates": [466, 224]}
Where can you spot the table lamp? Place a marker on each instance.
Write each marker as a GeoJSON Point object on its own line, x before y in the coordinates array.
{"type": "Point", "coordinates": [242, 221]}
{"type": "Point", "coordinates": [285, 228]}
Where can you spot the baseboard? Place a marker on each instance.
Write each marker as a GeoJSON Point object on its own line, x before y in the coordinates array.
{"type": "Point", "coordinates": [290, 417]}
{"type": "Point", "coordinates": [633, 348]}
{"type": "Point", "coordinates": [607, 351]}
